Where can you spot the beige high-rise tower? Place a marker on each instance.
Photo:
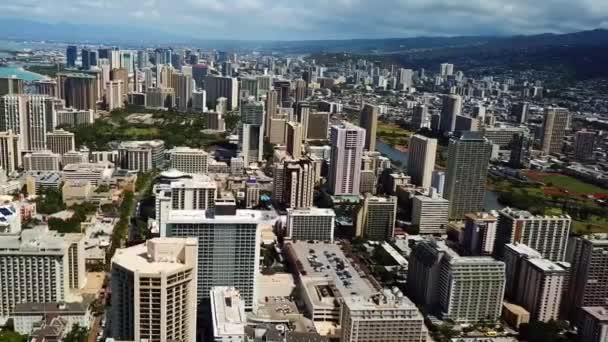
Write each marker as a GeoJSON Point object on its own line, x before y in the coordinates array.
{"type": "Point", "coordinates": [421, 160]}
{"type": "Point", "coordinates": [554, 129]}
{"type": "Point", "coordinates": [154, 291]}
{"type": "Point", "coordinates": [368, 120]}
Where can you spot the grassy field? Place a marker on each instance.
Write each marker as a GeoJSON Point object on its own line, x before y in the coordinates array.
{"type": "Point", "coordinates": [142, 133]}
{"type": "Point", "coordinates": [560, 194]}
{"type": "Point", "coordinates": [393, 134]}
{"type": "Point", "coordinates": [571, 184]}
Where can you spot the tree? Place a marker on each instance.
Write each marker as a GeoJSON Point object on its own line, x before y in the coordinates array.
{"type": "Point", "coordinates": [11, 336]}
{"type": "Point", "coordinates": [77, 334]}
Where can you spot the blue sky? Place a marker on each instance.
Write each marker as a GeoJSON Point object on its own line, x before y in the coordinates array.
{"type": "Point", "coordinates": [322, 19]}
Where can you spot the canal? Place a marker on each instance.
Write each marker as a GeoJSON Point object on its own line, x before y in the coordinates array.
{"type": "Point", "coordinates": [490, 200]}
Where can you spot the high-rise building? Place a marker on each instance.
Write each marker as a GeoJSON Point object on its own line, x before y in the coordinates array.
{"type": "Point", "coordinates": [182, 85]}
{"type": "Point", "coordinates": [217, 87]}
{"type": "Point", "coordinates": [227, 315]}
{"type": "Point", "coordinates": [271, 109]}
{"type": "Point", "coordinates": [276, 133]}
{"type": "Point", "coordinates": [114, 94]}
{"type": "Point", "coordinates": [154, 287]}
{"type": "Point", "coordinates": [10, 152]}
{"type": "Point", "coordinates": [251, 137]}
{"type": "Point", "coordinates": [368, 182]}
{"type": "Point", "coordinates": [514, 256]}
{"type": "Point", "coordinates": [438, 181]}
{"type": "Point", "coordinates": [468, 160]}
{"type": "Point", "coordinates": [300, 90]}
{"type": "Point", "coordinates": [294, 139]}
{"type": "Point", "coordinates": [520, 112]}
{"type": "Point", "coordinates": [420, 117]}
{"type": "Point", "coordinates": [521, 148]}
{"type": "Point", "coordinates": [199, 101]}
{"type": "Point", "coordinates": [480, 233]}
{"type": "Point", "coordinates": [421, 160]}
{"type": "Point", "coordinates": [430, 214]}
{"type": "Point", "coordinates": [60, 141]}
{"type": "Point", "coordinates": [229, 247]}
{"type": "Point", "coordinates": [593, 326]}
{"type": "Point", "coordinates": [310, 224]}
{"type": "Point", "coordinates": [589, 273]}
{"type": "Point", "coordinates": [41, 161]}
{"type": "Point", "coordinates": [317, 126]}
{"type": "Point", "coordinates": [142, 156]}
{"type": "Point", "coordinates": [38, 266]}
{"type": "Point", "coordinates": [540, 288]}
{"type": "Point", "coordinates": [79, 91]}
{"type": "Point", "coordinates": [406, 78]}
{"type": "Point", "coordinates": [546, 234]}
{"type": "Point", "coordinates": [463, 289]}
{"type": "Point", "coordinates": [383, 317]}
{"type": "Point", "coordinates": [143, 59]}
{"type": "Point", "coordinates": [584, 144]}
{"type": "Point", "coordinates": [451, 109]}
{"type": "Point", "coordinates": [85, 58]}
{"type": "Point", "coordinates": [347, 143]}
{"type": "Point", "coordinates": [446, 69]}
{"type": "Point", "coordinates": [376, 218]}
{"type": "Point", "coordinates": [368, 120]}
{"type": "Point", "coordinates": [554, 129]}
{"type": "Point", "coordinates": [11, 85]}
{"type": "Point", "coordinates": [199, 71]}
{"type": "Point", "coordinates": [74, 117]}
{"type": "Point", "coordinates": [71, 55]}
{"type": "Point", "coordinates": [160, 98]}
{"type": "Point", "coordinates": [298, 182]}
{"type": "Point", "coordinates": [189, 160]}
{"type": "Point", "coordinates": [29, 116]}
{"type": "Point", "coordinates": [121, 74]}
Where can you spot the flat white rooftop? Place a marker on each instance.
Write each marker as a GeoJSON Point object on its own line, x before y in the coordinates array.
{"type": "Point", "coordinates": [207, 216]}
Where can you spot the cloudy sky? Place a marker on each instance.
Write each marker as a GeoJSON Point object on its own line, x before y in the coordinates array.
{"type": "Point", "coordinates": [321, 19]}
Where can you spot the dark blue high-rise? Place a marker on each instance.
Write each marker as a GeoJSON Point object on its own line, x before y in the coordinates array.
{"type": "Point", "coordinates": [71, 55]}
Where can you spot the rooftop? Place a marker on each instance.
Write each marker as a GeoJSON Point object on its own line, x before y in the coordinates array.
{"type": "Point", "coordinates": [49, 308]}
{"type": "Point", "coordinates": [325, 264]}
{"type": "Point", "coordinates": [311, 212]}
{"type": "Point", "coordinates": [207, 216]}
{"type": "Point", "coordinates": [38, 240]}
{"type": "Point", "coordinates": [141, 144]}
{"type": "Point", "coordinates": [598, 312]}
{"type": "Point", "coordinates": [546, 265]}
{"type": "Point", "coordinates": [155, 256]}
{"type": "Point", "coordinates": [523, 249]}
{"type": "Point", "coordinates": [385, 300]}
{"type": "Point", "coordinates": [228, 311]}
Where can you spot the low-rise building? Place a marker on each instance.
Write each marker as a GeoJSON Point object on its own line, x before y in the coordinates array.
{"type": "Point", "coordinates": [227, 315]}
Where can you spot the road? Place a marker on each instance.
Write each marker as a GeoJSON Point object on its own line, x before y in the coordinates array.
{"type": "Point", "coordinates": [95, 329]}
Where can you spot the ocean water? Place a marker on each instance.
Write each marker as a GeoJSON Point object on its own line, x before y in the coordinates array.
{"type": "Point", "coordinates": [23, 74]}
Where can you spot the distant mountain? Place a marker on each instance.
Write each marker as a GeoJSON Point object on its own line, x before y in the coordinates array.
{"type": "Point", "coordinates": [21, 29]}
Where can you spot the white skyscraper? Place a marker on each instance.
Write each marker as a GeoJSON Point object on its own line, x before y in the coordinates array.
{"type": "Point", "coordinates": [310, 224]}
{"type": "Point", "coordinates": [189, 160]}
{"type": "Point", "coordinates": [383, 317]}
{"type": "Point", "coordinates": [430, 214]}
{"type": "Point", "coordinates": [38, 266]}
{"type": "Point", "coordinates": [421, 160]}
{"type": "Point", "coordinates": [546, 234]}
{"type": "Point", "coordinates": [29, 116]}
{"type": "Point", "coordinates": [154, 291]}
{"type": "Point", "coordinates": [347, 143]}
{"type": "Point", "coordinates": [229, 247]}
